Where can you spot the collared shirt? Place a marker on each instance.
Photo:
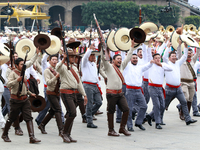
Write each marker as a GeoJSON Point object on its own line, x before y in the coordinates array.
{"type": "Point", "coordinates": [14, 84]}
{"type": "Point", "coordinates": [156, 73]}
{"type": "Point", "coordinates": [4, 67]}
{"type": "Point", "coordinates": [31, 71]}
{"type": "Point", "coordinates": [44, 65]}
{"type": "Point", "coordinates": [68, 81]}
{"type": "Point", "coordinates": [114, 82]}
{"type": "Point", "coordinates": [196, 67]}
{"type": "Point", "coordinates": [173, 77]}
{"type": "Point", "coordinates": [134, 73]}
{"type": "Point", "coordinates": [89, 69]}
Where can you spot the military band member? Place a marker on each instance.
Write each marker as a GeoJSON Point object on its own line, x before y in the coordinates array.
{"type": "Point", "coordinates": [173, 86]}
{"type": "Point", "coordinates": [70, 84]}
{"type": "Point", "coordinates": [52, 79]}
{"type": "Point", "coordinates": [20, 103]}
{"type": "Point", "coordinates": [114, 93]}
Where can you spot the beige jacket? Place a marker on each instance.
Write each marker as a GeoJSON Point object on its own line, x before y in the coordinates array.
{"type": "Point", "coordinates": [50, 79]}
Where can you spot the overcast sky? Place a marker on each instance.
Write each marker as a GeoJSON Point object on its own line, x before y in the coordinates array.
{"type": "Point", "coordinates": [194, 2]}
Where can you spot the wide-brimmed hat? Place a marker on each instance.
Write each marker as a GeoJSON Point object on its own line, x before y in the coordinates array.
{"type": "Point", "coordinates": [149, 37]}
{"type": "Point", "coordinates": [189, 40]}
{"type": "Point", "coordinates": [25, 45]}
{"type": "Point", "coordinates": [138, 35]}
{"type": "Point", "coordinates": [110, 42]}
{"type": "Point", "coordinates": [55, 46]}
{"type": "Point", "coordinates": [72, 43]}
{"type": "Point", "coordinates": [42, 41]}
{"type": "Point", "coordinates": [122, 39]}
{"type": "Point", "coordinates": [4, 59]}
{"type": "Point", "coordinates": [4, 49]}
{"type": "Point", "coordinates": [175, 40]}
{"type": "Point", "coordinates": [38, 103]}
{"type": "Point", "coordinates": [148, 27]}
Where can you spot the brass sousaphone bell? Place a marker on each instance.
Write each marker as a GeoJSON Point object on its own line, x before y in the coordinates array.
{"type": "Point", "coordinates": [42, 41]}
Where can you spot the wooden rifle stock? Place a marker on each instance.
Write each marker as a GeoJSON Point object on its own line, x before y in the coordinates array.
{"type": "Point", "coordinates": [37, 26]}
{"type": "Point", "coordinates": [22, 75]}
{"type": "Point", "coordinates": [63, 42]}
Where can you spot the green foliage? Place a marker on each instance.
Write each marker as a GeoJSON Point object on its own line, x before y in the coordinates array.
{"type": "Point", "coordinates": [195, 20]}
{"type": "Point", "coordinates": [125, 13]}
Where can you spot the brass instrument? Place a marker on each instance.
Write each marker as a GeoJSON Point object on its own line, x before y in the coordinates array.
{"type": "Point", "coordinates": [170, 29]}
{"type": "Point", "coordinates": [192, 28]}
{"type": "Point", "coordinates": [162, 29]}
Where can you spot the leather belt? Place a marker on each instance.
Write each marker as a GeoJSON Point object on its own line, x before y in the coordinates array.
{"type": "Point", "coordinates": [23, 97]}
{"type": "Point", "coordinates": [68, 91]}
{"type": "Point", "coordinates": [173, 86]}
{"type": "Point", "coordinates": [187, 80]}
{"type": "Point", "coordinates": [113, 91]}
{"type": "Point", "coordinates": [52, 93]}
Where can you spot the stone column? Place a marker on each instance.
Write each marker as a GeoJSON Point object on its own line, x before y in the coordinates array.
{"type": "Point", "coordinates": [68, 16]}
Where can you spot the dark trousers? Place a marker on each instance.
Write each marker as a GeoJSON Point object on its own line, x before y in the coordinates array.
{"type": "Point", "coordinates": [80, 103]}
{"type": "Point", "coordinates": [17, 106]}
{"type": "Point", "coordinates": [54, 104]}
{"type": "Point", "coordinates": [6, 108]}
{"type": "Point", "coordinates": [116, 99]}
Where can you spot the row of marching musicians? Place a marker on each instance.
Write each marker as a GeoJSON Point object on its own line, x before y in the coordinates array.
{"type": "Point", "coordinates": [73, 90]}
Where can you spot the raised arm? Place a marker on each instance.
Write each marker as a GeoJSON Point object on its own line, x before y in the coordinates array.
{"type": "Point", "coordinates": [184, 56]}
{"type": "Point", "coordinates": [167, 51]}
{"type": "Point", "coordinates": [87, 55]}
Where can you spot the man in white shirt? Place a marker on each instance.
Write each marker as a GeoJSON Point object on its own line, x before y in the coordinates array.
{"type": "Point", "coordinates": [156, 78]}
{"type": "Point", "coordinates": [90, 84]}
{"type": "Point", "coordinates": [173, 86]}
{"type": "Point", "coordinates": [2, 120]}
{"type": "Point", "coordinates": [133, 79]}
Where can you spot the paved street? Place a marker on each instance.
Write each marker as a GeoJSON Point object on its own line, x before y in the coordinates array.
{"type": "Point", "coordinates": [174, 136]}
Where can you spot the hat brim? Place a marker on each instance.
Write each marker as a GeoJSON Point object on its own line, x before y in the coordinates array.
{"type": "Point", "coordinates": [4, 49]}
{"type": "Point", "coordinates": [42, 41]}
{"type": "Point", "coordinates": [138, 35]}
{"type": "Point", "coordinates": [122, 39]}
{"type": "Point", "coordinates": [55, 45]}
{"type": "Point", "coordinates": [189, 41]}
{"type": "Point", "coordinates": [110, 41]}
{"type": "Point", "coordinates": [4, 59]}
{"type": "Point", "coordinates": [97, 53]}
{"type": "Point", "coordinates": [73, 44]}
{"type": "Point", "coordinates": [37, 104]}
{"type": "Point", "coordinates": [175, 40]}
{"type": "Point", "coordinates": [148, 27]}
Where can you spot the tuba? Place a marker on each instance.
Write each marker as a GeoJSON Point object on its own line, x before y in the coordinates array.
{"type": "Point", "coordinates": [23, 46]}
{"type": "Point", "coordinates": [192, 28]}
{"type": "Point", "coordinates": [162, 29]}
{"type": "Point", "coordinates": [170, 29]}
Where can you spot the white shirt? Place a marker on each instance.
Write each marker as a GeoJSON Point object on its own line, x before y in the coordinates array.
{"type": "Point", "coordinates": [196, 67]}
{"type": "Point", "coordinates": [31, 71]}
{"type": "Point", "coordinates": [44, 65]}
{"type": "Point", "coordinates": [1, 88]}
{"type": "Point", "coordinates": [89, 69]}
{"type": "Point", "coordinates": [156, 73]}
{"type": "Point", "coordinates": [134, 73]}
{"type": "Point", "coordinates": [173, 77]}
{"type": "Point", "coordinates": [148, 59]}
{"type": "Point", "coordinates": [4, 67]}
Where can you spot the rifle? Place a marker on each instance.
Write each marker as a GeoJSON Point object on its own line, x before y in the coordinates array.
{"type": "Point", "coordinates": [63, 42]}
{"type": "Point", "coordinates": [102, 40]}
{"type": "Point", "coordinates": [22, 74]}
{"type": "Point", "coordinates": [90, 35]}
{"type": "Point", "coordinates": [38, 28]}
{"type": "Point", "coordinates": [11, 54]}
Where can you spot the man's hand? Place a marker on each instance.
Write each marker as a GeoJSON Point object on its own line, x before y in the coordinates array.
{"type": "Point", "coordinates": [149, 43]}
{"type": "Point", "coordinates": [158, 63]}
{"type": "Point", "coordinates": [85, 100]}
{"type": "Point", "coordinates": [185, 44]}
{"type": "Point", "coordinates": [132, 43]}
{"type": "Point", "coordinates": [92, 46]}
{"type": "Point", "coordinates": [38, 50]}
{"type": "Point", "coordinates": [57, 75]}
{"type": "Point", "coordinates": [19, 79]}
{"type": "Point", "coordinates": [169, 44]}
{"type": "Point", "coordinates": [33, 95]}
{"type": "Point", "coordinates": [38, 81]}
{"type": "Point", "coordinates": [152, 61]}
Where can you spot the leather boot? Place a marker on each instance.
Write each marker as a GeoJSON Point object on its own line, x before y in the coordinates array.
{"type": "Point", "coordinates": [181, 114]}
{"type": "Point", "coordinates": [44, 122]}
{"type": "Point", "coordinates": [5, 132]}
{"type": "Point", "coordinates": [111, 131]}
{"type": "Point", "coordinates": [67, 125]}
{"type": "Point", "coordinates": [123, 124]}
{"type": "Point", "coordinates": [189, 106]}
{"type": "Point", "coordinates": [59, 122]}
{"type": "Point", "coordinates": [69, 133]}
{"type": "Point", "coordinates": [31, 132]}
{"type": "Point", "coordinates": [18, 130]}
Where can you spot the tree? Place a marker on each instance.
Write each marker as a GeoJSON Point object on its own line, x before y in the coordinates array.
{"type": "Point", "coordinates": [195, 20]}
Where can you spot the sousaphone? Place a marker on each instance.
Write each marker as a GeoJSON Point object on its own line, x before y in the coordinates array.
{"type": "Point", "coordinates": [42, 41]}
{"type": "Point", "coordinates": [55, 45]}
{"type": "Point", "coordinates": [25, 45]}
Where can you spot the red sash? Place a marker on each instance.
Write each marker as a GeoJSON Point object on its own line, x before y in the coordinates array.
{"type": "Point", "coordinates": [158, 85]}
{"type": "Point", "coordinates": [135, 87]}
{"type": "Point", "coordinates": [19, 74]}
{"type": "Point", "coordinates": [119, 73]}
{"type": "Point", "coordinates": [94, 84]}
{"type": "Point", "coordinates": [172, 86]}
